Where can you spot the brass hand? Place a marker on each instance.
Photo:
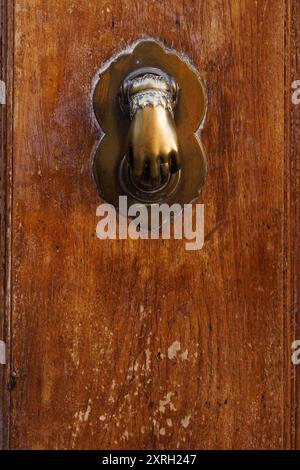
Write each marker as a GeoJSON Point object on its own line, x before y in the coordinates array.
{"type": "Point", "coordinates": [153, 150]}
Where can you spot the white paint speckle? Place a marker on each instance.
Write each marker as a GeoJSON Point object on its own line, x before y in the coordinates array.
{"type": "Point", "coordinates": [185, 421]}
{"type": "Point", "coordinates": [173, 349]}
{"type": "Point", "coordinates": [102, 418]}
{"type": "Point", "coordinates": [184, 355]}
{"type": "Point", "coordinates": [169, 422]}
{"type": "Point", "coordinates": [166, 401]}
{"type": "Point", "coordinates": [88, 410]}
{"type": "Point", "coordinates": [148, 359]}
{"type": "Point", "coordinates": [83, 416]}
{"type": "Point", "coordinates": [162, 431]}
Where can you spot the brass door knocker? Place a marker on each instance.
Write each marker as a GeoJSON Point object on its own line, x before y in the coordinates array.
{"type": "Point", "coordinates": [148, 97]}
{"type": "Point", "coordinates": [150, 103]}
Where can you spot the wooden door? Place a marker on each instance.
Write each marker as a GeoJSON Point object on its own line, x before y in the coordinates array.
{"type": "Point", "coordinates": [139, 344]}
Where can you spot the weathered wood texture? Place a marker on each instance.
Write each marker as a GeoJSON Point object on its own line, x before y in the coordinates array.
{"type": "Point", "coordinates": [94, 323]}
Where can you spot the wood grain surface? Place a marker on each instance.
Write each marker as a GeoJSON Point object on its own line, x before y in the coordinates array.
{"type": "Point", "coordinates": [142, 344]}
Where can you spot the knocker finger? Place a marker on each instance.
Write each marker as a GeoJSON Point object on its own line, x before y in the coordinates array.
{"type": "Point", "coordinates": [165, 169]}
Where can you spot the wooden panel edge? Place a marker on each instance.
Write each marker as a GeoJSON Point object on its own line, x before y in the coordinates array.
{"type": "Point", "coordinates": [291, 239]}
{"type": "Point", "coordinates": [295, 216]}
{"type": "Point", "coordinates": [6, 153]}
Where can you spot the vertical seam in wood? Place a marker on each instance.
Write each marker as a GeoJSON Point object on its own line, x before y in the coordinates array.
{"type": "Point", "coordinates": [294, 126]}
{"type": "Point", "coordinates": [3, 130]}
{"type": "Point", "coordinates": [7, 35]}
{"type": "Point", "coordinates": [290, 238]}
{"type": "Point", "coordinates": [286, 376]}
{"type": "Point", "coordinates": [10, 228]}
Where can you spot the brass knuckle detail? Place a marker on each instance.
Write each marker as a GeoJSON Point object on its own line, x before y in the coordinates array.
{"type": "Point", "coordinates": [148, 97]}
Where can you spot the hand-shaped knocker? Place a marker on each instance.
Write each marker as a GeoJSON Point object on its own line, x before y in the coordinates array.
{"type": "Point", "coordinates": [149, 98]}
{"type": "Point", "coordinates": [150, 103]}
